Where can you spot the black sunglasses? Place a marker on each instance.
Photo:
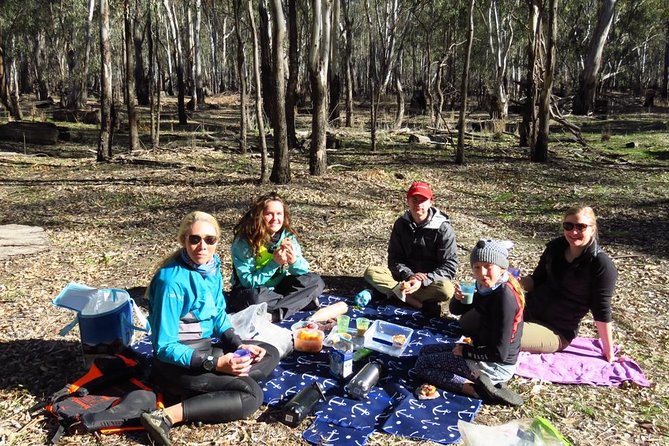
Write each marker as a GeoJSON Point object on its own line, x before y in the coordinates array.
{"type": "Point", "coordinates": [208, 239]}
{"type": "Point", "coordinates": [569, 226]}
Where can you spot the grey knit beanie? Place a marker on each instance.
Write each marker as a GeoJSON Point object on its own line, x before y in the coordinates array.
{"type": "Point", "coordinates": [490, 251]}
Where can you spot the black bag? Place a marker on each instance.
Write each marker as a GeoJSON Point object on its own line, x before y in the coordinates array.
{"type": "Point", "coordinates": [109, 398]}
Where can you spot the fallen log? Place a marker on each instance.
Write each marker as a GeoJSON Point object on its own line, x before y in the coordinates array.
{"type": "Point", "coordinates": [30, 132]}
{"type": "Point", "coordinates": [83, 116]}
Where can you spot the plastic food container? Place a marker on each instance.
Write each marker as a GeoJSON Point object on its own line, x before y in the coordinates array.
{"type": "Point", "coordinates": [386, 337]}
{"type": "Point", "coordinates": [308, 340]}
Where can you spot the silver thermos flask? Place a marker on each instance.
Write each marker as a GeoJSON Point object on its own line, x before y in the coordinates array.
{"type": "Point", "coordinates": [360, 385]}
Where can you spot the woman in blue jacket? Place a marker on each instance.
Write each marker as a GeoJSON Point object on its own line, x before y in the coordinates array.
{"type": "Point", "coordinates": [215, 382]}
{"type": "Point", "coordinates": [268, 262]}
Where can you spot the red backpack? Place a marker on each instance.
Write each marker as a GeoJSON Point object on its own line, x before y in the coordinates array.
{"type": "Point", "coordinates": [108, 399]}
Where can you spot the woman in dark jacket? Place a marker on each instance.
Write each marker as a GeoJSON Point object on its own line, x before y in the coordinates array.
{"type": "Point", "coordinates": [573, 276]}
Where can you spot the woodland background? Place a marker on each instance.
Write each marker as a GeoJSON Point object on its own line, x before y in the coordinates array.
{"type": "Point", "coordinates": [122, 116]}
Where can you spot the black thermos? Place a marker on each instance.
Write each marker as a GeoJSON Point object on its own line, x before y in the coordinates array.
{"type": "Point", "coordinates": [301, 404]}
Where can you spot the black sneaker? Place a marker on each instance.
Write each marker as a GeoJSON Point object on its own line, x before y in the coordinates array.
{"type": "Point", "coordinates": [485, 389]}
{"type": "Point", "coordinates": [496, 394]}
{"type": "Point", "coordinates": [157, 425]}
{"type": "Point", "coordinates": [508, 396]}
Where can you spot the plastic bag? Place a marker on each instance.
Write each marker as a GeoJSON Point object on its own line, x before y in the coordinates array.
{"type": "Point", "coordinates": [252, 323]}
{"type": "Point", "coordinates": [524, 432]}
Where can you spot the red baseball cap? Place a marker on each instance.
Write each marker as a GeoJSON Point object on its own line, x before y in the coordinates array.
{"type": "Point", "coordinates": [420, 188]}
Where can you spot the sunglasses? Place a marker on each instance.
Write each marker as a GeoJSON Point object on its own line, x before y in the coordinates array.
{"type": "Point", "coordinates": [569, 226]}
{"type": "Point", "coordinates": [208, 239]}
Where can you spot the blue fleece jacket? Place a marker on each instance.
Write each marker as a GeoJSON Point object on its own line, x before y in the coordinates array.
{"type": "Point", "coordinates": [255, 271]}
{"type": "Point", "coordinates": [185, 306]}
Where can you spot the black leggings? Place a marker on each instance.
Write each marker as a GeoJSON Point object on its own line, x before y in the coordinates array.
{"type": "Point", "coordinates": [289, 296]}
{"type": "Point", "coordinates": [212, 397]}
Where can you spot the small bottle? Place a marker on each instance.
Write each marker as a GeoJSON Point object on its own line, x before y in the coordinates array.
{"type": "Point", "coordinates": [363, 298]}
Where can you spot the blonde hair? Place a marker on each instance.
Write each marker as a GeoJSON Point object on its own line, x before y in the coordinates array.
{"type": "Point", "coordinates": [588, 212]}
{"type": "Point", "coordinates": [186, 223]}
{"type": "Point", "coordinates": [515, 284]}
{"type": "Point", "coordinates": [252, 225]}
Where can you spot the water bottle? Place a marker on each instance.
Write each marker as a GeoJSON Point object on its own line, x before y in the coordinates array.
{"type": "Point", "coordinates": [363, 298]}
{"type": "Point", "coordinates": [362, 383]}
{"type": "Point", "coordinates": [301, 404]}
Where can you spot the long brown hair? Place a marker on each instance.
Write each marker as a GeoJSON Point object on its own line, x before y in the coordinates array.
{"type": "Point", "coordinates": [252, 225]}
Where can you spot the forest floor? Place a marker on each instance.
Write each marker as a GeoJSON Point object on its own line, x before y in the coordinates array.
{"type": "Point", "coordinates": [110, 223]}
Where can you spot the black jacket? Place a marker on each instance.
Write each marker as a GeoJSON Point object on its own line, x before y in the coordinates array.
{"type": "Point", "coordinates": [498, 337]}
{"type": "Point", "coordinates": [429, 248]}
{"type": "Point", "coordinates": [564, 292]}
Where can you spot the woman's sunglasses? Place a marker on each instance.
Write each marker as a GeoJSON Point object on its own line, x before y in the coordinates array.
{"type": "Point", "coordinates": [569, 226]}
{"type": "Point", "coordinates": [208, 239]}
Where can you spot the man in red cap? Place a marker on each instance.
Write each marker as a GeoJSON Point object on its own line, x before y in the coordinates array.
{"type": "Point", "coordinates": [422, 255]}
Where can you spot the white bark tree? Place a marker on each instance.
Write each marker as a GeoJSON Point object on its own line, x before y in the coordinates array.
{"type": "Point", "coordinates": [319, 59]}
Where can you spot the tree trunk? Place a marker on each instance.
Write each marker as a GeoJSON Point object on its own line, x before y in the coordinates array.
{"type": "Point", "coordinates": [266, 58]}
{"type": "Point", "coordinates": [281, 167]}
{"type": "Point", "coordinates": [585, 98]}
{"type": "Point", "coordinates": [199, 91]}
{"type": "Point", "coordinates": [39, 59]}
{"type": "Point", "coordinates": [665, 77]}
{"type": "Point", "coordinates": [399, 93]}
{"type": "Point", "coordinates": [129, 84]}
{"type": "Point", "coordinates": [348, 23]}
{"type": "Point", "coordinates": [258, 88]}
{"type": "Point", "coordinates": [500, 38]}
{"type": "Point", "coordinates": [460, 151]}
{"type": "Point", "coordinates": [334, 77]}
{"type": "Point", "coordinates": [319, 59]}
{"type": "Point", "coordinates": [178, 61]}
{"type": "Point", "coordinates": [104, 141]}
{"type": "Point", "coordinates": [141, 80]}
{"type": "Point", "coordinates": [154, 78]}
{"type": "Point", "coordinates": [540, 152]}
{"type": "Point", "coordinates": [528, 127]}
{"type": "Point", "coordinates": [243, 119]}
{"type": "Point", "coordinates": [293, 73]}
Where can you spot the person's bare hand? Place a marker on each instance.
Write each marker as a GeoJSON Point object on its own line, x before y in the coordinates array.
{"type": "Point", "coordinates": [414, 285]}
{"type": "Point", "coordinates": [257, 352]}
{"type": "Point", "coordinates": [232, 365]}
{"type": "Point", "coordinates": [457, 350]}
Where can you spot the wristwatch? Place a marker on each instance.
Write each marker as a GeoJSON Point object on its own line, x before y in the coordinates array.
{"type": "Point", "coordinates": [209, 364]}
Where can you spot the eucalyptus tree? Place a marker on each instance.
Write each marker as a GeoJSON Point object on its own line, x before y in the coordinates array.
{"type": "Point", "coordinates": [348, 60]}
{"type": "Point", "coordinates": [499, 23]}
{"type": "Point", "coordinates": [539, 152]}
{"type": "Point", "coordinates": [241, 62]}
{"type": "Point", "coordinates": [258, 92]}
{"type": "Point", "coordinates": [281, 167]}
{"type": "Point", "coordinates": [585, 96]}
{"type": "Point", "coordinates": [334, 68]}
{"type": "Point", "coordinates": [460, 151]}
{"type": "Point", "coordinates": [105, 138]}
{"type": "Point", "coordinates": [129, 81]}
{"type": "Point", "coordinates": [173, 23]}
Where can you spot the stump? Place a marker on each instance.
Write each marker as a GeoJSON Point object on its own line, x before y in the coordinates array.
{"type": "Point", "coordinates": [16, 240]}
{"type": "Point", "coordinates": [45, 133]}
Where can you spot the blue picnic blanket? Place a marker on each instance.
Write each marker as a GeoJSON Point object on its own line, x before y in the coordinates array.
{"type": "Point", "coordinates": [391, 406]}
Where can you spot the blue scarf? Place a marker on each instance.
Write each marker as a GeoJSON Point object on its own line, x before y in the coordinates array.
{"type": "Point", "coordinates": [207, 270]}
{"type": "Point", "coordinates": [484, 291]}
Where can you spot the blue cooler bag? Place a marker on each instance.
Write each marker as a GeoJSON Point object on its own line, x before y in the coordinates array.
{"type": "Point", "coordinates": [105, 317]}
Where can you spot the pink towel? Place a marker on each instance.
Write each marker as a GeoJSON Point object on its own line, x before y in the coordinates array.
{"type": "Point", "coordinates": [580, 363]}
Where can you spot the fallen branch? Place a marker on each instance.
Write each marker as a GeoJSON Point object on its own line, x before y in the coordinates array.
{"type": "Point", "coordinates": [573, 128]}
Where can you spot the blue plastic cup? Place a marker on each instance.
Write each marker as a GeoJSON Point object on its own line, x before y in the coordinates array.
{"type": "Point", "coordinates": [467, 288]}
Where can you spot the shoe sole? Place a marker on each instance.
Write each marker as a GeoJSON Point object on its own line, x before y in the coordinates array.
{"type": "Point", "coordinates": [156, 435]}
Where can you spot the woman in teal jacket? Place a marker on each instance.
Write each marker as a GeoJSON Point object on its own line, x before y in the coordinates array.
{"type": "Point", "coordinates": [268, 262]}
{"type": "Point", "coordinates": [215, 382]}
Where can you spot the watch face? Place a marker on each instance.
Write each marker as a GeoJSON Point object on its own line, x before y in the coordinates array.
{"type": "Point", "coordinates": [208, 364]}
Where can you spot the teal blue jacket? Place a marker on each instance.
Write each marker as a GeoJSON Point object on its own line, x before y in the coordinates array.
{"type": "Point", "coordinates": [185, 306]}
{"type": "Point", "coordinates": [255, 271]}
